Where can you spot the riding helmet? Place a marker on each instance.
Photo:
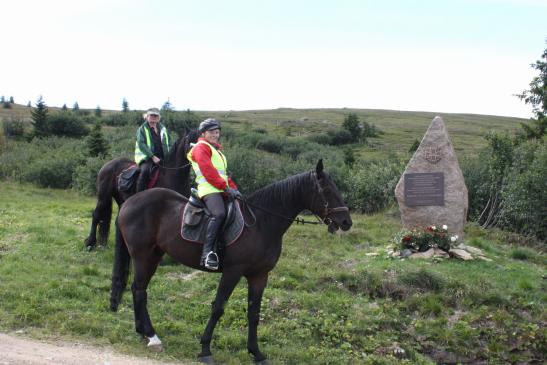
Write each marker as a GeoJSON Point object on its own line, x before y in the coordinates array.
{"type": "Point", "coordinates": [208, 124]}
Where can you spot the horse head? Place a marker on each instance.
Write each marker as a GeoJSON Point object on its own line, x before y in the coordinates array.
{"type": "Point", "coordinates": [327, 202]}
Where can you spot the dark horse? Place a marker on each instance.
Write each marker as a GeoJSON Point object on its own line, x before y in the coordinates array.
{"type": "Point", "coordinates": [174, 175]}
{"type": "Point", "coordinates": [149, 226]}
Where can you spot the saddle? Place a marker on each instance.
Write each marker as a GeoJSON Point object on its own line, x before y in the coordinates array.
{"type": "Point", "coordinates": [128, 177]}
{"type": "Point", "coordinates": [195, 217]}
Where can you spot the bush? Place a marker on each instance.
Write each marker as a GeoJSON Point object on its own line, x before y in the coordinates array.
{"type": "Point", "coordinates": [121, 119]}
{"type": "Point", "coordinates": [84, 178]}
{"type": "Point", "coordinates": [320, 138]}
{"type": "Point", "coordinates": [66, 124]}
{"type": "Point", "coordinates": [51, 173]}
{"type": "Point", "coordinates": [341, 137]}
{"type": "Point", "coordinates": [371, 186]}
{"type": "Point", "coordinates": [525, 192]}
{"type": "Point", "coordinates": [13, 128]}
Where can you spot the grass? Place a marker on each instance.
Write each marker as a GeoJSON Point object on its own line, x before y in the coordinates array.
{"type": "Point", "coordinates": [329, 301]}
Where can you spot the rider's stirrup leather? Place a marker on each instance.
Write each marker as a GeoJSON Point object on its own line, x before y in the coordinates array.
{"type": "Point", "coordinates": [211, 261]}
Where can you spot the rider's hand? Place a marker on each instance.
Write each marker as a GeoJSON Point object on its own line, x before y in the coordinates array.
{"type": "Point", "coordinates": [156, 160]}
{"type": "Point", "coordinates": [233, 193]}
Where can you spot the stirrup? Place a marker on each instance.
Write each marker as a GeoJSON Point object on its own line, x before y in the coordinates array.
{"type": "Point", "coordinates": [211, 261]}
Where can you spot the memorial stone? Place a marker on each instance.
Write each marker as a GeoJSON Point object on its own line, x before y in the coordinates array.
{"type": "Point", "coordinates": [432, 190]}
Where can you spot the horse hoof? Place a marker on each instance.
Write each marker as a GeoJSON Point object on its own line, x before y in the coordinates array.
{"type": "Point", "coordinates": [206, 359]}
{"type": "Point", "coordinates": [154, 344]}
{"type": "Point", "coordinates": [155, 348]}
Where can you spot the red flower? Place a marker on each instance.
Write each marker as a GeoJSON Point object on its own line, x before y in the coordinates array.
{"type": "Point", "coordinates": [407, 238]}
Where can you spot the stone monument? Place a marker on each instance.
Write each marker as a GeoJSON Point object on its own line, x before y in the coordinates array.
{"type": "Point", "coordinates": [432, 190]}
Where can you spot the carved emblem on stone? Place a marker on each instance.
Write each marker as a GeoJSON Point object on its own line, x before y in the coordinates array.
{"type": "Point", "coordinates": [433, 154]}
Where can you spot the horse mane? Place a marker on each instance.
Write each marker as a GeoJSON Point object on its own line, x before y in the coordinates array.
{"type": "Point", "coordinates": [187, 137]}
{"type": "Point", "coordinates": [284, 191]}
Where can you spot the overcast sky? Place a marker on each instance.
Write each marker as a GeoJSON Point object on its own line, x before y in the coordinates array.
{"type": "Point", "coordinates": [462, 56]}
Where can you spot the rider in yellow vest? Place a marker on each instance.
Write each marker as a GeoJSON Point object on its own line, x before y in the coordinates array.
{"type": "Point", "coordinates": [151, 147]}
{"type": "Point", "coordinates": [214, 184]}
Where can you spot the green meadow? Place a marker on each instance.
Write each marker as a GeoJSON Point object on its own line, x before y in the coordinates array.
{"type": "Point", "coordinates": [332, 299]}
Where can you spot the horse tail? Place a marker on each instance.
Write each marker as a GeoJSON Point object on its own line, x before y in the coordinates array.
{"type": "Point", "coordinates": [120, 272]}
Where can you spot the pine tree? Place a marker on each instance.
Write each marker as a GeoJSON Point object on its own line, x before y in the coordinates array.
{"type": "Point", "coordinates": [75, 107]}
{"type": "Point", "coordinates": [167, 106]}
{"type": "Point", "coordinates": [125, 105]}
{"type": "Point", "coordinates": [2, 99]}
{"type": "Point", "coordinates": [352, 125]}
{"type": "Point", "coordinates": [11, 101]}
{"type": "Point", "coordinates": [40, 118]}
{"type": "Point", "coordinates": [29, 105]}
{"type": "Point", "coordinates": [64, 108]}
{"type": "Point", "coordinates": [537, 97]}
{"type": "Point", "coordinates": [96, 144]}
{"type": "Point", "coordinates": [98, 111]}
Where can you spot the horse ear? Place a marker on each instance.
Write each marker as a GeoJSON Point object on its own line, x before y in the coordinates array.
{"type": "Point", "coordinates": [319, 168]}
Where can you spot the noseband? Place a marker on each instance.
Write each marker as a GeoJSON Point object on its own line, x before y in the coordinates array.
{"type": "Point", "coordinates": [326, 210]}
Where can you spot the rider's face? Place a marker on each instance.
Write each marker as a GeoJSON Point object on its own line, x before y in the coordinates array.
{"type": "Point", "coordinates": [212, 136]}
{"type": "Point", "coordinates": [153, 118]}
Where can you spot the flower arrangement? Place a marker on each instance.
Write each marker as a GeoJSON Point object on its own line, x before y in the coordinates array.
{"type": "Point", "coordinates": [422, 239]}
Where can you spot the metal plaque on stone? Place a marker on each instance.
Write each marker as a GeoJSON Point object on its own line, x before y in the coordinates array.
{"type": "Point", "coordinates": [424, 189]}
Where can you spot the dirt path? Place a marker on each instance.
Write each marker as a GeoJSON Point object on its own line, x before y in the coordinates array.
{"type": "Point", "coordinates": [16, 350]}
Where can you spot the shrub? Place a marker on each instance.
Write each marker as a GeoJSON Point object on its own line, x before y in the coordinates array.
{"type": "Point", "coordinates": [85, 175]}
{"type": "Point", "coordinates": [341, 137]}
{"type": "Point", "coordinates": [66, 124]}
{"type": "Point", "coordinates": [126, 118]}
{"type": "Point", "coordinates": [320, 138]}
{"type": "Point", "coordinates": [51, 173]}
{"type": "Point", "coordinates": [13, 128]}
{"type": "Point", "coordinates": [525, 192]}
{"type": "Point", "coordinates": [371, 186]}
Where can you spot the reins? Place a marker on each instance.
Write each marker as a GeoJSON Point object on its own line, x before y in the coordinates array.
{"type": "Point", "coordinates": [327, 211]}
{"type": "Point", "coordinates": [175, 168]}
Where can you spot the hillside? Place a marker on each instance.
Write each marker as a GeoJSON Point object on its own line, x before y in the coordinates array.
{"type": "Point", "coordinates": [400, 128]}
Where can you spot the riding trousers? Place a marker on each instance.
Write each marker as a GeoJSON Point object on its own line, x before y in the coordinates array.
{"type": "Point", "coordinates": [215, 203]}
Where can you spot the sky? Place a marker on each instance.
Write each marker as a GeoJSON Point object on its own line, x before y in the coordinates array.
{"type": "Point", "coordinates": [453, 56]}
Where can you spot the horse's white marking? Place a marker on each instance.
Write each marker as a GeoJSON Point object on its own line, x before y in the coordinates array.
{"type": "Point", "coordinates": [154, 341]}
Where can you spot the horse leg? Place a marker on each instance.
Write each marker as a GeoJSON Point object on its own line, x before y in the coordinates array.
{"type": "Point", "coordinates": [102, 214]}
{"type": "Point", "coordinates": [91, 240]}
{"type": "Point", "coordinates": [145, 267]}
{"type": "Point", "coordinates": [228, 282]}
{"type": "Point", "coordinates": [256, 284]}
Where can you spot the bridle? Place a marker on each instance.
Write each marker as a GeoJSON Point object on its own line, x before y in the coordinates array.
{"type": "Point", "coordinates": [319, 191]}
{"type": "Point", "coordinates": [326, 210]}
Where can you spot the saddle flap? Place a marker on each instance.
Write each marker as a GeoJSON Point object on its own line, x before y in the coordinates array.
{"type": "Point", "coordinates": [127, 178]}
{"type": "Point", "coordinates": [192, 215]}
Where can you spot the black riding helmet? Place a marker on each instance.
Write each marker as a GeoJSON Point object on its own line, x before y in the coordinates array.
{"type": "Point", "coordinates": [208, 124]}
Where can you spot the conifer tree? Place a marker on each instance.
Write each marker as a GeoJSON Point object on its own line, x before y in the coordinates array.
{"type": "Point", "coordinates": [11, 101]}
{"type": "Point", "coordinates": [98, 111]}
{"type": "Point", "coordinates": [537, 97]}
{"type": "Point", "coordinates": [75, 107]}
{"type": "Point", "coordinates": [40, 118]}
{"type": "Point", "coordinates": [352, 125]}
{"type": "Point", "coordinates": [29, 105]}
{"type": "Point", "coordinates": [125, 105]}
{"type": "Point", "coordinates": [96, 144]}
{"type": "Point", "coordinates": [64, 108]}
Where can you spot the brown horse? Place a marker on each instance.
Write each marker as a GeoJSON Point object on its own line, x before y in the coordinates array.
{"type": "Point", "coordinates": [174, 174]}
{"type": "Point", "coordinates": [149, 225]}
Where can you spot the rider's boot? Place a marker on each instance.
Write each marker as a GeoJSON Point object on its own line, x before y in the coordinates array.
{"type": "Point", "coordinates": [144, 177]}
{"type": "Point", "coordinates": [209, 258]}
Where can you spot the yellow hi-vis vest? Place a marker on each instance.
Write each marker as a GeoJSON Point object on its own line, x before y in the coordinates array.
{"type": "Point", "coordinates": [219, 163]}
{"type": "Point", "coordinates": [140, 155]}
